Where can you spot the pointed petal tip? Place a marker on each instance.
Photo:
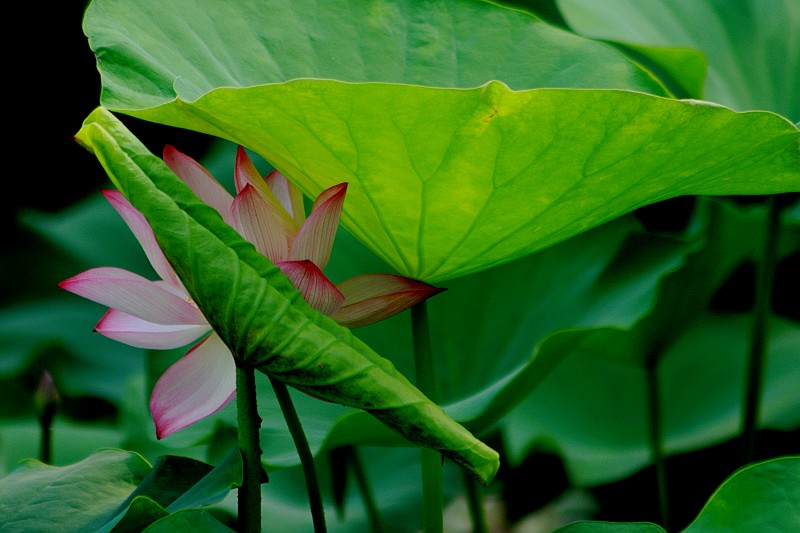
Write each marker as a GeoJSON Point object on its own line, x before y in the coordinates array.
{"type": "Point", "coordinates": [315, 287]}
{"type": "Point", "coordinates": [371, 298]}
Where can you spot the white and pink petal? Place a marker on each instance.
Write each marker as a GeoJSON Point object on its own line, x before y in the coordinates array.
{"type": "Point", "coordinates": [258, 224]}
{"type": "Point", "coordinates": [315, 287]}
{"type": "Point", "coordinates": [198, 385]}
{"type": "Point", "coordinates": [245, 173]}
{"type": "Point", "coordinates": [200, 181]}
{"type": "Point", "coordinates": [144, 235]}
{"type": "Point", "coordinates": [135, 295]}
{"type": "Point", "coordinates": [373, 297]}
{"type": "Point", "coordinates": [290, 197]}
{"type": "Point", "coordinates": [134, 331]}
{"type": "Point", "coordinates": [315, 239]}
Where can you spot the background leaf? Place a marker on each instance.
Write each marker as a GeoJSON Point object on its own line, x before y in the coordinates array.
{"type": "Point", "coordinates": [759, 497]}
{"type": "Point", "coordinates": [592, 407]}
{"type": "Point", "coordinates": [78, 497]}
{"type": "Point", "coordinates": [751, 45]}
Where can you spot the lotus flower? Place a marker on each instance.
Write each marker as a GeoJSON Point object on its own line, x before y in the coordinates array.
{"type": "Point", "coordinates": [268, 212]}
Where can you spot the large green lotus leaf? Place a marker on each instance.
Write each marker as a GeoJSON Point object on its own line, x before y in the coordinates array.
{"type": "Point", "coordinates": [462, 180]}
{"type": "Point", "coordinates": [751, 45]}
{"type": "Point", "coordinates": [759, 497]}
{"type": "Point", "coordinates": [600, 425]}
{"type": "Point", "coordinates": [260, 315]}
{"type": "Point", "coordinates": [151, 53]}
{"type": "Point", "coordinates": [464, 175]}
{"type": "Point", "coordinates": [79, 497]}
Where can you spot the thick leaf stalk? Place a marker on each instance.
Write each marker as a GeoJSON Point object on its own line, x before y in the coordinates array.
{"type": "Point", "coordinates": [260, 315]}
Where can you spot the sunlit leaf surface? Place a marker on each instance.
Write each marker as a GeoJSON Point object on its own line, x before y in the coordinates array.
{"type": "Point", "coordinates": [465, 174]}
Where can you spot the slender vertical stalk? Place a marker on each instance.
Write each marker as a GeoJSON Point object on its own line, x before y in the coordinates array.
{"type": "Point", "coordinates": [248, 425]}
{"type": "Point", "coordinates": [475, 504]}
{"type": "Point", "coordinates": [304, 451]}
{"type": "Point", "coordinates": [656, 437]}
{"type": "Point", "coordinates": [430, 460]}
{"type": "Point", "coordinates": [46, 439]}
{"type": "Point", "coordinates": [46, 399]}
{"type": "Point", "coordinates": [759, 335]}
{"type": "Point", "coordinates": [375, 521]}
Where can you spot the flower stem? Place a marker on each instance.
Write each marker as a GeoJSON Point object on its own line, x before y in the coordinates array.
{"type": "Point", "coordinates": [46, 399]}
{"type": "Point", "coordinates": [304, 451]}
{"type": "Point", "coordinates": [248, 425]}
{"type": "Point", "coordinates": [430, 460]}
{"type": "Point", "coordinates": [656, 434]}
{"type": "Point", "coordinates": [758, 337]}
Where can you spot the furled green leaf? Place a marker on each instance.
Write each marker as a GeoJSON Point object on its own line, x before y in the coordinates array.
{"type": "Point", "coordinates": [751, 45]}
{"type": "Point", "coordinates": [258, 312]}
{"type": "Point", "coordinates": [79, 497]}
{"type": "Point", "coordinates": [471, 168]}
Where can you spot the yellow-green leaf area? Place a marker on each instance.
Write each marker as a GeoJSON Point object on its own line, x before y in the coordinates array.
{"type": "Point", "coordinates": [446, 182]}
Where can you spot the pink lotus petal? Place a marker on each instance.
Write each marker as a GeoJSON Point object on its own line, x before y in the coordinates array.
{"type": "Point", "coordinates": [135, 295]}
{"type": "Point", "coordinates": [373, 297]}
{"type": "Point", "coordinates": [198, 385]}
{"type": "Point", "coordinates": [290, 197]}
{"type": "Point", "coordinates": [257, 223]}
{"type": "Point", "coordinates": [245, 173]}
{"type": "Point", "coordinates": [200, 181]}
{"type": "Point", "coordinates": [314, 241]}
{"type": "Point", "coordinates": [315, 287]}
{"type": "Point", "coordinates": [144, 234]}
{"type": "Point", "coordinates": [139, 333]}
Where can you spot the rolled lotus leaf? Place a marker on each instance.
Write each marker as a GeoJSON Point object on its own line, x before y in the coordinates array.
{"type": "Point", "coordinates": [260, 315]}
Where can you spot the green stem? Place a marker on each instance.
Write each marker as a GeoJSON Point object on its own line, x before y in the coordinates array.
{"type": "Point", "coordinates": [373, 513]}
{"type": "Point", "coordinates": [304, 451]}
{"type": "Point", "coordinates": [46, 437]}
{"type": "Point", "coordinates": [248, 425]}
{"type": "Point", "coordinates": [430, 460]}
{"type": "Point", "coordinates": [656, 437]}
{"type": "Point", "coordinates": [475, 504]}
{"type": "Point", "coordinates": [759, 337]}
